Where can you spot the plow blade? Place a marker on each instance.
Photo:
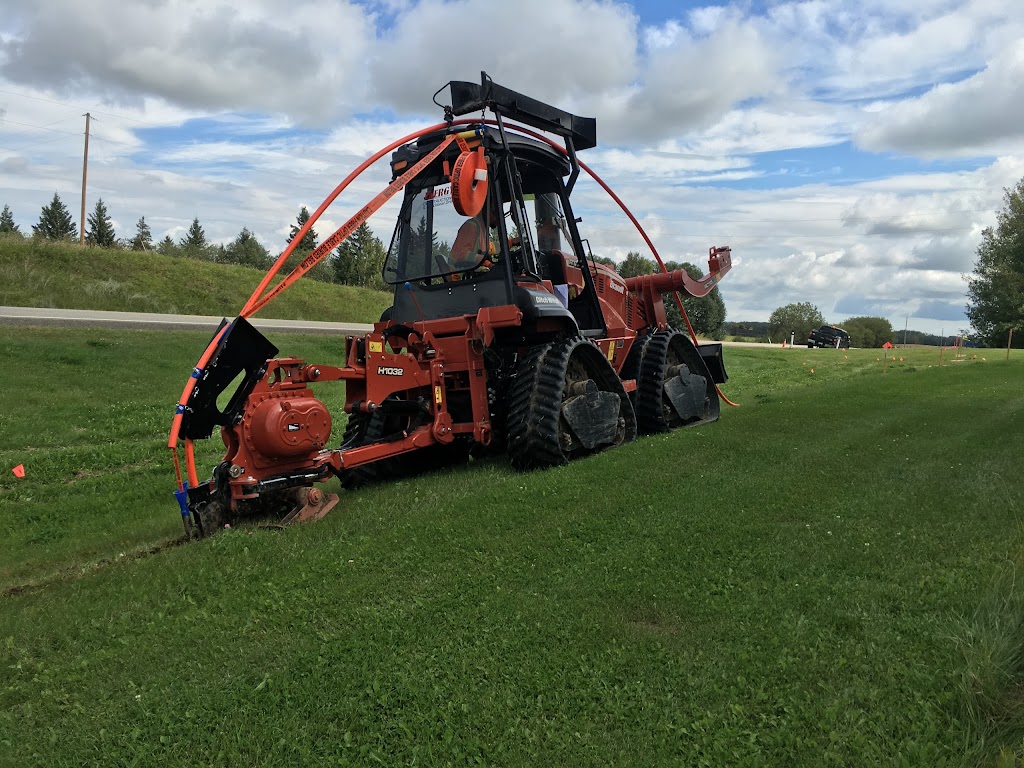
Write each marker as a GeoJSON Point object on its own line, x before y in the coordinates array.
{"type": "Point", "coordinates": [313, 504]}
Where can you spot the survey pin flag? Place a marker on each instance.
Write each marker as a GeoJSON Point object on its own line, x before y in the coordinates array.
{"type": "Point", "coordinates": [19, 471]}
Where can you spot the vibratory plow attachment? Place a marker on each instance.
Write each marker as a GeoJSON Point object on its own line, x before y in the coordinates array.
{"type": "Point", "coordinates": [274, 430]}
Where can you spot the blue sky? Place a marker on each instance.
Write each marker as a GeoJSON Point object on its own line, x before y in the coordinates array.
{"type": "Point", "coordinates": [850, 152]}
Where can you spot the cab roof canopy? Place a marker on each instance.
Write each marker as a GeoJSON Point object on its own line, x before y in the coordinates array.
{"type": "Point", "coordinates": [474, 97]}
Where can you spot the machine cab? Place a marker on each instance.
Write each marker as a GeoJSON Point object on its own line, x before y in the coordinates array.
{"type": "Point", "coordinates": [521, 247]}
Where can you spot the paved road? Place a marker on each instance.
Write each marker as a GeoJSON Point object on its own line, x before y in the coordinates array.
{"type": "Point", "coordinates": [93, 318]}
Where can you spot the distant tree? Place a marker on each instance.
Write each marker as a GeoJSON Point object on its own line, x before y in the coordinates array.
{"type": "Point", "coordinates": [195, 237]}
{"type": "Point", "coordinates": [747, 328]}
{"type": "Point", "coordinates": [7, 225]}
{"type": "Point", "coordinates": [55, 222]}
{"type": "Point", "coordinates": [247, 251]}
{"type": "Point", "coordinates": [911, 336]}
{"type": "Point", "coordinates": [309, 240]}
{"type": "Point", "coordinates": [634, 264]}
{"type": "Point", "coordinates": [608, 262]}
{"type": "Point", "coordinates": [101, 230]}
{"type": "Point", "coordinates": [323, 271]}
{"type": "Point", "coordinates": [143, 240]}
{"type": "Point", "coordinates": [868, 332]}
{"type": "Point", "coordinates": [359, 259]}
{"type": "Point", "coordinates": [168, 247]}
{"type": "Point", "coordinates": [995, 290]}
{"type": "Point", "coordinates": [797, 319]}
{"type": "Point", "coordinates": [194, 244]}
{"type": "Point", "coordinates": [707, 313]}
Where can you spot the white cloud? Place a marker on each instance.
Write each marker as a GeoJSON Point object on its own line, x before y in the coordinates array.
{"type": "Point", "coordinates": [690, 82]}
{"type": "Point", "coordinates": [978, 115]}
{"type": "Point", "coordinates": [268, 55]}
{"type": "Point", "coordinates": [556, 50]}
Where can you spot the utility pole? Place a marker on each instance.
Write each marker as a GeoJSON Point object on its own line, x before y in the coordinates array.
{"type": "Point", "coordinates": [906, 324]}
{"type": "Point", "coordinates": [85, 169]}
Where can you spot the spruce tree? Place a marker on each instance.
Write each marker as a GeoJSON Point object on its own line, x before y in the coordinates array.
{"type": "Point", "coordinates": [143, 240]}
{"type": "Point", "coordinates": [195, 237]}
{"type": "Point", "coordinates": [55, 222]}
{"type": "Point", "coordinates": [309, 240]}
{"type": "Point", "coordinates": [167, 247]}
{"type": "Point", "coordinates": [247, 251]}
{"type": "Point", "coordinates": [101, 229]}
{"type": "Point", "coordinates": [322, 271]}
{"type": "Point", "coordinates": [194, 244]}
{"type": "Point", "coordinates": [358, 260]}
{"type": "Point", "coordinates": [7, 225]}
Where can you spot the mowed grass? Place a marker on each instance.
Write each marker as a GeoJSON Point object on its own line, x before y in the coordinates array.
{"type": "Point", "coordinates": [824, 577]}
{"type": "Point", "coordinates": [40, 273]}
{"type": "Point", "coordinates": [88, 417]}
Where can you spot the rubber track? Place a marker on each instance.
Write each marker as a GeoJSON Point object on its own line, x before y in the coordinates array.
{"type": "Point", "coordinates": [631, 368]}
{"type": "Point", "coordinates": [650, 385]}
{"type": "Point", "coordinates": [535, 402]}
{"type": "Point", "coordinates": [361, 429]}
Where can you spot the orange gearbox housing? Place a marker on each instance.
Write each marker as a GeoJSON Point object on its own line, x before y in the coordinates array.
{"type": "Point", "coordinates": [280, 428]}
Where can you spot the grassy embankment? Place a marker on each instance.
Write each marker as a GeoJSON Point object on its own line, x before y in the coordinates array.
{"type": "Point", "coordinates": [36, 273]}
{"type": "Point", "coordinates": [825, 577]}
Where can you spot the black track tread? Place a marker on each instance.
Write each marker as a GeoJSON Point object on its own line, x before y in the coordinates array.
{"type": "Point", "coordinates": [650, 385]}
{"type": "Point", "coordinates": [361, 429]}
{"type": "Point", "coordinates": [535, 401]}
{"type": "Point", "coordinates": [534, 407]}
{"type": "Point", "coordinates": [631, 367]}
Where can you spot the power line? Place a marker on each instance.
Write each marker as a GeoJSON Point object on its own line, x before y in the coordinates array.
{"type": "Point", "coordinates": [77, 107]}
{"type": "Point", "coordinates": [42, 127]}
{"type": "Point", "coordinates": [66, 133]}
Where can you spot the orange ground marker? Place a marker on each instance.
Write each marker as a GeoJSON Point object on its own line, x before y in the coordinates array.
{"type": "Point", "coordinates": [19, 471]}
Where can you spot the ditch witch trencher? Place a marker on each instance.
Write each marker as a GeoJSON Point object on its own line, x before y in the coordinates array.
{"type": "Point", "coordinates": [505, 334]}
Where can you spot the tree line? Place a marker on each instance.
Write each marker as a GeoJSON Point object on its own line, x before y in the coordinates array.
{"type": "Point", "coordinates": [796, 321]}
{"type": "Point", "coordinates": [357, 261]}
{"type": "Point", "coordinates": [995, 288]}
{"type": "Point", "coordinates": [760, 331]}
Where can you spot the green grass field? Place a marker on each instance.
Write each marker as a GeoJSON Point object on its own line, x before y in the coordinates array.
{"type": "Point", "coordinates": [827, 576]}
{"type": "Point", "coordinates": [40, 273]}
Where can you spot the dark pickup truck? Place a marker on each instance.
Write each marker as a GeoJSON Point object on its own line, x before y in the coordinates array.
{"type": "Point", "coordinates": [828, 336]}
